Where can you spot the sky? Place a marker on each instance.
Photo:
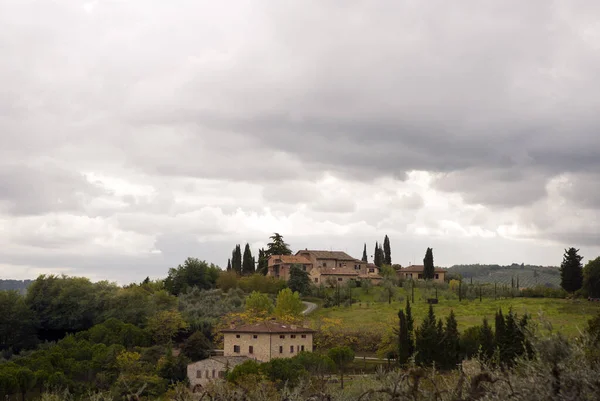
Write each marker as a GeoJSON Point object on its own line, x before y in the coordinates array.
{"type": "Point", "coordinates": [136, 133]}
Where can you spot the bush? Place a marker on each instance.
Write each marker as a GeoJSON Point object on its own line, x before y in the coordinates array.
{"type": "Point", "coordinates": [265, 284]}
{"type": "Point", "coordinates": [541, 291]}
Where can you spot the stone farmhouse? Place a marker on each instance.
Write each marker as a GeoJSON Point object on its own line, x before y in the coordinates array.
{"type": "Point", "coordinates": [324, 267]}
{"type": "Point", "coordinates": [415, 272]}
{"type": "Point", "coordinates": [260, 341]}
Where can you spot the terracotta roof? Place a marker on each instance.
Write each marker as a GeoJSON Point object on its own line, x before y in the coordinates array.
{"type": "Point", "coordinates": [418, 269]}
{"type": "Point", "coordinates": [371, 276]}
{"type": "Point", "coordinates": [337, 255]}
{"type": "Point", "coordinates": [292, 259]}
{"type": "Point", "coordinates": [339, 271]}
{"type": "Point", "coordinates": [269, 327]}
{"type": "Point", "coordinates": [373, 266]}
{"type": "Point", "coordinates": [225, 360]}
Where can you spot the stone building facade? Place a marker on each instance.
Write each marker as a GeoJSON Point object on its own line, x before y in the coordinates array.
{"type": "Point", "coordinates": [415, 272]}
{"type": "Point", "coordinates": [279, 265]}
{"type": "Point", "coordinates": [267, 340]}
{"type": "Point", "coordinates": [202, 372]}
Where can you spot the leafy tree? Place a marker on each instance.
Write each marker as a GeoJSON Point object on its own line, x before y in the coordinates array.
{"type": "Point", "coordinates": [193, 273]}
{"type": "Point", "coordinates": [172, 368]}
{"type": "Point", "coordinates": [341, 357]}
{"type": "Point", "coordinates": [18, 324]}
{"type": "Point", "coordinates": [241, 371]}
{"type": "Point", "coordinates": [288, 306]}
{"type": "Point", "coordinates": [364, 255]}
{"type": "Point", "coordinates": [260, 283]}
{"type": "Point", "coordinates": [389, 289]}
{"type": "Point", "coordinates": [26, 380]}
{"type": "Point", "coordinates": [591, 278]}
{"type": "Point", "coordinates": [387, 251]}
{"type": "Point", "coordinates": [248, 261]}
{"type": "Point", "coordinates": [299, 280]}
{"type": "Point", "coordinates": [283, 371]}
{"type": "Point", "coordinates": [571, 270]}
{"type": "Point", "coordinates": [197, 347]}
{"type": "Point", "coordinates": [427, 340]}
{"type": "Point", "coordinates": [428, 267]}
{"type": "Point", "coordinates": [258, 305]}
{"type": "Point", "coordinates": [451, 342]}
{"type": "Point", "coordinates": [227, 280]}
{"type": "Point", "coordinates": [165, 325]}
{"type": "Point", "coordinates": [236, 260]}
{"type": "Point", "coordinates": [277, 246]}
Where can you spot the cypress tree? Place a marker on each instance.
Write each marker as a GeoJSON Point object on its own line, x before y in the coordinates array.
{"type": "Point", "coordinates": [229, 264]}
{"type": "Point", "coordinates": [387, 251]}
{"type": "Point", "coordinates": [486, 339]}
{"type": "Point", "coordinates": [426, 340]}
{"type": "Point", "coordinates": [263, 262]}
{"type": "Point", "coordinates": [571, 270]}
{"type": "Point", "coordinates": [428, 268]}
{"type": "Point", "coordinates": [376, 256]}
{"type": "Point", "coordinates": [451, 342]}
{"type": "Point", "coordinates": [500, 335]}
{"type": "Point", "coordinates": [247, 261]}
{"type": "Point", "coordinates": [236, 260]}
{"type": "Point", "coordinates": [403, 339]}
{"type": "Point", "coordinates": [364, 257]}
{"type": "Point", "coordinates": [410, 327]}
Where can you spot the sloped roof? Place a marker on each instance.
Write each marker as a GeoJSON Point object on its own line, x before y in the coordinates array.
{"type": "Point", "coordinates": [225, 360]}
{"type": "Point", "coordinates": [337, 255]}
{"type": "Point", "coordinates": [418, 269]}
{"type": "Point", "coordinates": [371, 276]}
{"type": "Point", "coordinates": [269, 327]}
{"type": "Point", "coordinates": [292, 259]}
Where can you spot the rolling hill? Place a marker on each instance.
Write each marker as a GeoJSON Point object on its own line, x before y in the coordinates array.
{"type": "Point", "coordinates": [529, 275]}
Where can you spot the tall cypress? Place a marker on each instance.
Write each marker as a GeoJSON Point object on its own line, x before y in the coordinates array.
{"type": "Point", "coordinates": [571, 270]}
{"type": "Point", "coordinates": [486, 339]}
{"type": "Point", "coordinates": [229, 264]}
{"type": "Point", "coordinates": [247, 261]}
{"type": "Point", "coordinates": [236, 260]}
{"type": "Point", "coordinates": [403, 339]}
{"type": "Point", "coordinates": [263, 262]}
{"type": "Point", "coordinates": [364, 257]}
{"type": "Point", "coordinates": [410, 327]}
{"type": "Point", "coordinates": [426, 340]}
{"type": "Point", "coordinates": [451, 342]}
{"type": "Point", "coordinates": [376, 256]}
{"type": "Point", "coordinates": [381, 256]}
{"type": "Point", "coordinates": [387, 252]}
{"type": "Point", "coordinates": [428, 268]}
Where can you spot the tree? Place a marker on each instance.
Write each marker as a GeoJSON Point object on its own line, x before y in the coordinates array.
{"type": "Point", "coordinates": [341, 356]}
{"type": "Point", "coordinates": [378, 256]}
{"type": "Point", "coordinates": [197, 347]}
{"type": "Point", "coordinates": [451, 342]}
{"type": "Point", "coordinates": [428, 267]}
{"type": "Point", "coordinates": [258, 305]}
{"type": "Point", "coordinates": [263, 262]}
{"type": "Point", "coordinates": [571, 270]}
{"type": "Point", "coordinates": [227, 280]}
{"type": "Point", "coordinates": [248, 261]}
{"type": "Point", "coordinates": [26, 380]}
{"type": "Point", "coordinates": [236, 260]}
{"type": "Point", "coordinates": [591, 278]}
{"type": "Point", "coordinates": [165, 325]}
{"type": "Point", "coordinates": [387, 252]}
{"type": "Point", "coordinates": [228, 264]}
{"type": "Point", "coordinates": [486, 339]}
{"type": "Point", "coordinates": [193, 273]}
{"type": "Point", "coordinates": [364, 256]}
{"type": "Point", "coordinates": [410, 326]}
{"type": "Point", "coordinates": [403, 339]}
{"type": "Point", "coordinates": [427, 340]}
{"type": "Point", "coordinates": [18, 323]}
{"type": "Point", "coordinates": [277, 246]}
{"type": "Point", "coordinates": [299, 280]}
{"type": "Point", "coordinates": [288, 306]}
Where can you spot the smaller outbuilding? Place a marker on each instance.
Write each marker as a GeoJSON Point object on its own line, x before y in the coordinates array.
{"type": "Point", "coordinates": [202, 372]}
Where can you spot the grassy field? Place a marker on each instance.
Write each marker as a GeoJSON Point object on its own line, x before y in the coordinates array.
{"type": "Point", "coordinates": [566, 316]}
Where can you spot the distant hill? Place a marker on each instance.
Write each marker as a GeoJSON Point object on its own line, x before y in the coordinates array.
{"type": "Point", "coordinates": [18, 285]}
{"type": "Point", "coordinates": [529, 275]}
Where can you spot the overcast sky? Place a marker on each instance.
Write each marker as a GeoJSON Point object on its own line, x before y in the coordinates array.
{"type": "Point", "coordinates": [135, 133]}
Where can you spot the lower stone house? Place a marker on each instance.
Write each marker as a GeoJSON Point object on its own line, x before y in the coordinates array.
{"type": "Point", "coordinates": [415, 272]}
{"type": "Point", "coordinates": [202, 372]}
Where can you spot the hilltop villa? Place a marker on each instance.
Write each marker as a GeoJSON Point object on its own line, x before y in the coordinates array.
{"type": "Point", "coordinates": [260, 341]}
{"type": "Point", "coordinates": [324, 267]}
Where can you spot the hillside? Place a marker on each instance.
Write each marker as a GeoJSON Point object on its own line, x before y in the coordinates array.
{"type": "Point", "coordinates": [529, 275]}
{"type": "Point", "coordinates": [18, 285]}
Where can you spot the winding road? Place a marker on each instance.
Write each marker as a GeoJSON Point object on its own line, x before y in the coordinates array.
{"type": "Point", "coordinates": [310, 307]}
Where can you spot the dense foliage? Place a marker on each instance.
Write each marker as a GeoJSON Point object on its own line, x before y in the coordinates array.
{"type": "Point", "coordinates": [571, 270]}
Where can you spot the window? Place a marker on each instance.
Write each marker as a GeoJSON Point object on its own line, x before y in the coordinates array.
{"type": "Point", "coordinates": [302, 348]}
{"type": "Point", "coordinates": [206, 374]}
{"type": "Point", "coordinates": [214, 373]}
{"type": "Point", "coordinates": [198, 374]}
{"type": "Point", "coordinates": [237, 336]}
{"type": "Point", "coordinates": [304, 267]}
{"type": "Point", "coordinates": [324, 264]}
{"type": "Point", "coordinates": [251, 349]}
{"type": "Point", "coordinates": [437, 276]}
{"type": "Point", "coordinates": [371, 270]}
{"type": "Point", "coordinates": [221, 374]}
{"type": "Point", "coordinates": [420, 276]}
{"type": "Point", "coordinates": [282, 336]}
{"type": "Point", "coordinates": [291, 349]}
{"type": "Point", "coordinates": [255, 336]}
{"type": "Point", "coordinates": [303, 335]}
{"type": "Point", "coordinates": [236, 349]}
{"type": "Point", "coordinates": [281, 349]}
{"type": "Point", "coordinates": [316, 279]}
{"type": "Point", "coordinates": [340, 279]}
{"type": "Point", "coordinates": [293, 336]}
